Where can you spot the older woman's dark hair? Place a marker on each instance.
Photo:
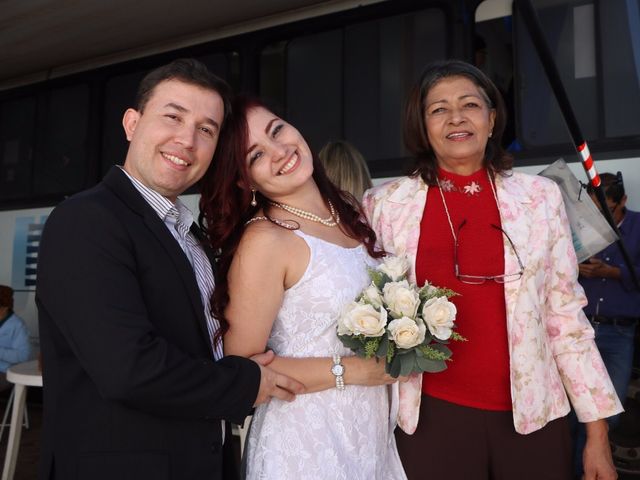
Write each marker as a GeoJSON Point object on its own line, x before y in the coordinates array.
{"type": "Point", "coordinates": [415, 129]}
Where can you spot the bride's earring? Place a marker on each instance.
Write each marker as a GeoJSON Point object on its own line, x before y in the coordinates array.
{"type": "Point", "coordinates": [254, 202]}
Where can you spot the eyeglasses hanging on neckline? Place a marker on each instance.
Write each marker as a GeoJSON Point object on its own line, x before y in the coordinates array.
{"type": "Point", "coordinates": [480, 279]}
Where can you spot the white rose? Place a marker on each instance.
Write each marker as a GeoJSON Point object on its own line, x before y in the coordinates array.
{"type": "Point", "coordinates": [401, 299]}
{"type": "Point", "coordinates": [362, 319]}
{"type": "Point", "coordinates": [394, 267]}
{"type": "Point", "coordinates": [372, 295]}
{"type": "Point", "coordinates": [439, 315]}
{"type": "Point", "coordinates": [406, 332]}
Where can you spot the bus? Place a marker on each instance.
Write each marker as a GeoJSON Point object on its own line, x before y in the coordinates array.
{"type": "Point", "coordinates": [336, 69]}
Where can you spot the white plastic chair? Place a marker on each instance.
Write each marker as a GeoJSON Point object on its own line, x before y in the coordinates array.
{"type": "Point", "coordinates": [240, 430]}
{"type": "Point", "coordinates": [7, 411]}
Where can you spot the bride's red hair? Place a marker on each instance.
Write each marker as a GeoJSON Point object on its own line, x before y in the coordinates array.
{"type": "Point", "coordinates": [225, 202]}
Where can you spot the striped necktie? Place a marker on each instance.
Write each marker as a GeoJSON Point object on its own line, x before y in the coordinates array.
{"type": "Point", "coordinates": [202, 269]}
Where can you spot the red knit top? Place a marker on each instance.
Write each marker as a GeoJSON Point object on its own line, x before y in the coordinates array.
{"type": "Point", "coordinates": [478, 376]}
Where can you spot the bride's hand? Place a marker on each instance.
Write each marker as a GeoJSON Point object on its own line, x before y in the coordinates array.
{"type": "Point", "coordinates": [370, 372]}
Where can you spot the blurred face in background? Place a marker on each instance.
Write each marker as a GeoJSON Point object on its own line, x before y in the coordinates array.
{"type": "Point", "coordinates": [616, 208]}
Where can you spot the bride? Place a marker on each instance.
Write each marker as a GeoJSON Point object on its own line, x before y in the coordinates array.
{"type": "Point", "coordinates": [294, 253]}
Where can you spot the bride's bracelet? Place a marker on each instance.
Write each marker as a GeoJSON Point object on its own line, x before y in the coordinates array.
{"type": "Point", "coordinates": [338, 371]}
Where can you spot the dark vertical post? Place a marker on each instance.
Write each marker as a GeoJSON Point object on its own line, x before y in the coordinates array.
{"type": "Point", "coordinates": [532, 22]}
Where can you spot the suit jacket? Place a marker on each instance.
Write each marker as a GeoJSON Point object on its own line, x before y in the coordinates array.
{"type": "Point", "coordinates": [551, 346]}
{"type": "Point", "coordinates": [130, 386]}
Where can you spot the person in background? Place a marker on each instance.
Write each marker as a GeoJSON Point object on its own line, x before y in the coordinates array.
{"type": "Point", "coordinates": [135, 383]}
{"type": "Point", "coordinates": [15, 346]}
{"type": "Point", "coordinates": [614, 300]}
{"type": "Point", "coordinates": [501, 240]}
{"type": "Point", "coordinates": [346, 167]}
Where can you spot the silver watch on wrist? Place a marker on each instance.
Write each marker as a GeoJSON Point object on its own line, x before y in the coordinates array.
{"type": "Point", "coordinates": [338, 371]}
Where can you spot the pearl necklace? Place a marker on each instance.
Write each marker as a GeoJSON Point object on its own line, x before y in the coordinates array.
{"type": "Point", "coordinates": [446, 210]}
{"type": "Point", "coordinates": [274, 220]}
{"type": "Point", "coordinates": [330, 221]}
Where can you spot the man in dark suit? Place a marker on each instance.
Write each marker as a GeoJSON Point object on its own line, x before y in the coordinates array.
{"type": "Point", "coordinates": [135, 385]}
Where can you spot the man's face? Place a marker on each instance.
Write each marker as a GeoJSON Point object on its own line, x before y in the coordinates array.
{"type": "Point", "coordinates": [172, 142]}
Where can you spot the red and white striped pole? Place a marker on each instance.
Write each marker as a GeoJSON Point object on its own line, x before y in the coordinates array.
{"type": "Point", "coordinates": [589, 164]}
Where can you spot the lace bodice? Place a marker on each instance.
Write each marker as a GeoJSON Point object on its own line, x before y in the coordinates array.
{"type": "Point", "coordinates": [330, 434]}
{"type": "Point", "coordinates": [306, 323]}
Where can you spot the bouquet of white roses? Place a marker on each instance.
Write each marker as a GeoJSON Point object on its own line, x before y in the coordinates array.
{"type": "Point", "coordinates": [393, 319]}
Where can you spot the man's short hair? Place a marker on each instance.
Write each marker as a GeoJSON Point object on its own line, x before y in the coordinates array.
{"type": "Point", "coordinates": [187, 70]}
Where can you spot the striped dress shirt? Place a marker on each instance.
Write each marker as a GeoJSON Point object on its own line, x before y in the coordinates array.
{"type": "Point", "coordinates": [178, 219]}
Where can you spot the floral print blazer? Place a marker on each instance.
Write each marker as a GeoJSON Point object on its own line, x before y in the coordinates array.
{"type": "Point", "coordinates": [551, 343]}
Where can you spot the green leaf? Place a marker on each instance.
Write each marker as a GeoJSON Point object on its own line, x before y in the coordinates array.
{"type": "Point", "coordinates": [441, 348]}
{"type": "Point", "coordinates": [378, 278]}
{"type": "Point", "coordinates": [431, 366]}
{"type": "Point", "coordinates": [457, 337]}
{"type": "Point", "coordinates": [407, 364]}
{"type": "Point", "coordinates": [436, 292]}
{"type": "Point", "coordinates": [391, 350]}
{"type": "Point", "coordinates": [351, 341]}
{"type": "Point", "coordinates": [404, 351]}
{"type": "Point", "coordinates": [383, 346]}
{"type": "Point", "coordinates": [430, 353]}
{"type": "Point", "coordinates": [395, 366]}
{"type": "Point", "coordinates": [371, 347]}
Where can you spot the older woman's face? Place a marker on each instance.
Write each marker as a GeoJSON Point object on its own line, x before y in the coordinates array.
{"type": "Point", "coordinates": [458, 121]}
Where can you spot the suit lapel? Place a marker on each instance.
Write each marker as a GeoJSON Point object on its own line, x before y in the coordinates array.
{"type": "Point", "coordinates": [412, 195]}
{"type": "Point", "coordinates": [513, 202]}
{"type": "Point", "coordinates": [117, 182]}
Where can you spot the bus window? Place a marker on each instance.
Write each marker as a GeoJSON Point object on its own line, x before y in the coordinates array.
{"type": "Point", "coordinates": [61, 166]}
{"type": "Point", "coordinates": [222, 64]}
{"type": "Point", "coordinates": [119, 94]}
{"type": "Point", "coordinates": [17, 136]}
{"type": "Point", "coordinates": [272, 83]}
{"type": "Point", "coordinates": [620, 43]}
{"type": "Point", "coordinates": [225, 65]}
{"type": "Point", "coordinates": [493, 54]}
{"type": "Point", "coordinates": [352, 82]}
{"type": "Point", "coordinates": [314, 86]}
{"type": "Point", "coordinates": [569, 30]}
{"type": "Point", "coordinates": [596, 47]}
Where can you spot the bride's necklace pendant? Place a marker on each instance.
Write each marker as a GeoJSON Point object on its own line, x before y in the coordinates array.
{"type": "Point", "coordinates": [331, 221]}
{"type": "Point", "coordinates": [471, 189]}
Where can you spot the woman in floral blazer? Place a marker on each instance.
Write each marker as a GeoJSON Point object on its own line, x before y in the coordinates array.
{"type": "Point", "coordinates": [520, 305]}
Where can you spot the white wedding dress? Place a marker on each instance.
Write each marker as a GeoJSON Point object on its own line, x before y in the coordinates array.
{"type": "Point", "coordinates": [336, 435]}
